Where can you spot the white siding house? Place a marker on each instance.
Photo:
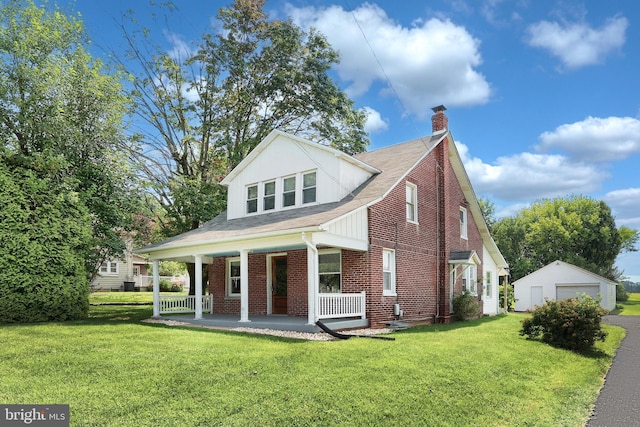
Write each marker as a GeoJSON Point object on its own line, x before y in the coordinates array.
{"type": "Point", "coordinates": [561, 280]}
{"type": "Point", "coordinates": [490, 292]}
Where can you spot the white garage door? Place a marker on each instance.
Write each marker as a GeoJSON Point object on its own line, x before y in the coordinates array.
{"type": "Point", "coordinates": [567, 291]}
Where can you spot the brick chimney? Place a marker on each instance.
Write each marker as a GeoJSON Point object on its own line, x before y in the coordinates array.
{"type": "Point", "coordinates": [439, 121]}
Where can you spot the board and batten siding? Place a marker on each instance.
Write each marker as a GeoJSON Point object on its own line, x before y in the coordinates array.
{"type": "Point", "coordinates": [283, 157]}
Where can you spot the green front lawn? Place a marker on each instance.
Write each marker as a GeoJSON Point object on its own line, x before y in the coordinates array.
{"type": "Point", "coordinates": [126, 297]}
{"type": "Point", "coordinates": [113, 370]}
{"type": "Point", "coordinates": [630, 307]}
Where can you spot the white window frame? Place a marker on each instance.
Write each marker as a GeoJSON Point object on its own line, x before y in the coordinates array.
{"type": "Point", "coordinates": [463, 223]}
{"type": "Point", "coordinates": [470, 279]}
{"type": "Point", "coordinates": [412, 202]}
{"type": "Point", "coordinates": [488, 292]}
{"type": "Point", "coordinates": [389, 268]}
{"type": "Point", "coordinates": [311, 187]}
{"type": "Point", "coordinates": [266, 196]}
{"type": "Point", "coordinates": [229, 278]}
{"type": "Point", "coordinates": [294, 192]}
{"type": "Point", "coordinates": [320, 274]}
{"type": "Point", "coordinates": [254, 200]}
{"type": "Point", "coordinates": [107, 267]}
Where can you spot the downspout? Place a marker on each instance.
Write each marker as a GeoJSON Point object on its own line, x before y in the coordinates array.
{"type": "Point", "coordinates": [311, 276]}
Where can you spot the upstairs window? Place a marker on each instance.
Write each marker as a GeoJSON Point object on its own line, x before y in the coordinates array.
{"type": "Point", "coordinates": [463, 223]}
{"type": "Point", "coordinates": [309, 187]}
{"type": "Point", "coordinates": [269, 196]}
{"type": "Point", "coordinates": [252, 199]}
{"type": "Point", "coordinates": [289, 191]}
{"type": "Point", "coordinates": [412, 205]}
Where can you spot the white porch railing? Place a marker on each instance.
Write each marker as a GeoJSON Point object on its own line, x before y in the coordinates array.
{"type": "Point", "coordinates": [147, 281]}
{"type": "Point", "coordinates": [184, 304]}
{"type": "Point", "coordinates": [331, 306]}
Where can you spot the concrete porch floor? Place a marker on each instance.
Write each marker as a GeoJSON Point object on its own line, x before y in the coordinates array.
{"type": "Point", "coordinates": [274, 321]}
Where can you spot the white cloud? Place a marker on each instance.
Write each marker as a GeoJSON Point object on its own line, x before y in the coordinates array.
{"type": "Point", "coordinates": [625, 206]}
{"type": "Point", "coordinates": [180, 49]}
{"type": "Point", "coordinates": [595, 139]}
{"type": "Point", "coordinates": [375, 123]}
{"type": "Point", "coordinates": [527, 176]}
{"type": "Point", "coordinates": [432, 62]}
{"type": "Point", "coordinates": [577, 44]}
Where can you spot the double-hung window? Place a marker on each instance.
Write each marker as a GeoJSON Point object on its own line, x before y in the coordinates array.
{"type": "Point", "coordinates": [252, 198]}
{"type": "Point", "coordinates": [330, 271]}
{"type": "Point", "coordinates": [109, 267]}
{"type": "Point", "coordinates": [388, 272]}
{"type": "Point", "coordinates": [233, 276]}
{"type": "Point", "coordinates": [487, 284]}
{"type": "Point", "coordinates": [463, 223]}
{"type": "Point", "coordinates": [289, 191]}
{"type": "Point", "coordinates": [309, 187]}
{"type": "Point", "coordinates": [412, 202]}
{"type": "Point", "coordinates": [269, 202]}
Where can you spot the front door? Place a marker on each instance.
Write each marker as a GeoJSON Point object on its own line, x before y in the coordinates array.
{"type": "Point", "coordinates": [279, 285]}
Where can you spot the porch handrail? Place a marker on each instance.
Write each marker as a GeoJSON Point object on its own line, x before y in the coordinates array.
{"type": "Point", "coordinates": [331, 306]}
{"type": "Point", "coordinates": [184, 304]}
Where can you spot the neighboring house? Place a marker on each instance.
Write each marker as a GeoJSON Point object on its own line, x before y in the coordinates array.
{"type": "Point", "coordinates": [310, 231]}
{"type": "Point", "coordinates": [113, 273]}
{"type": "Point", "coordinates": [560, 280]}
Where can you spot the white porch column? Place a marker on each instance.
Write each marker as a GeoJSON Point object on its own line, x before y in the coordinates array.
{"type": "Point", "coordinates": [312, 280]}
{"type": "Point", "coordinates": [198, 259]}
{"type": "Point", "coordinates": [156, 288]}
{"type": "Point", "coordinates": [244, 285]}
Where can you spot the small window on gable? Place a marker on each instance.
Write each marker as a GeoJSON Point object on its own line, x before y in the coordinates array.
{"type": "Point", "coordinates": [487, 284]}
{"type": "Point", "coordinates": [463, 223]}
{"type": "Point", "coordinates": [269, 195]}
{"type": "Point", "coordinates": [289, 191]}
{"type": "Point", "coordinates": [252, 199]}
{"type": "Point", "coordinates": [388, 272]}
{"type": "Point", "coordinates": [412, 202]}
{"type": "Point", "coordinates": [309, 187]}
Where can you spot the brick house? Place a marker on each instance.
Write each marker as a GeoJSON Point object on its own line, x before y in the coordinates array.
{"type": "Point", "coordinates": [312, 232]}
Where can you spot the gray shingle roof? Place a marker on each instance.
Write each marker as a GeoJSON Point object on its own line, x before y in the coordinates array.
{"type": "Point", "coordinates": [394, 162]}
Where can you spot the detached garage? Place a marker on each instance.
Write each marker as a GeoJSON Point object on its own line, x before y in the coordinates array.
{"type": "Point", "coordinates": [561, 280]}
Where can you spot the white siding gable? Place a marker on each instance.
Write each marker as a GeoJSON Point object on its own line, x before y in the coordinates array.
{"type": "Point", "coordinates": [281, 156]}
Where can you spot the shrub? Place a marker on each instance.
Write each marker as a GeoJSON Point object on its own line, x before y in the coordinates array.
{"type": "Point", "coordinates": [621, 293]}
{"type": "Point", "coordinates": [465, 306]}
{"type": "Point", "coordinates": [574, 323]}
{"type": "Point", "coordinates": [44, 235]}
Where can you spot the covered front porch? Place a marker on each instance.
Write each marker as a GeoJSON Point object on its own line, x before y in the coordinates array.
{"type": "Point", "coordinates": [244, 284]}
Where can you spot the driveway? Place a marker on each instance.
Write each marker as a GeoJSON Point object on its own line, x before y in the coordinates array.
{"type": "Point", "coordinates": [619, 401]}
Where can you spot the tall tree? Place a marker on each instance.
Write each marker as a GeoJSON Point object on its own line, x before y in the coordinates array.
{"type": "Point", "coordinates": [61, 120]}
{"type": "Point", "coordinates": [576, 229]}
{"type": "Point", "coordinates": [210, 107]}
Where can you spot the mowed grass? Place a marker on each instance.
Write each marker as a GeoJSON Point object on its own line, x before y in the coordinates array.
{"type": "Point", "coordinates": [115, 371]}
{"type": "Point", "coordinates": [631, 307]}
{"type": "Point", "coordinates": [143, 297]}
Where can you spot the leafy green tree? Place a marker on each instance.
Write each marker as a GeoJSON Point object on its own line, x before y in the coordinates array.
{"type": "Point", "coordinates": [576, 229]}
{"type": "Point", "coordinates": [208, 108]}
{"type": "Point", "coordinates": [61, 114]}
{"type": "Point", "coordinates": [44, 235]}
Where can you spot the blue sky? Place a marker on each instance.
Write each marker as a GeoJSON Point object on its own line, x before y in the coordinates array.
{"type": "Point", "coordinates": [543, 97]}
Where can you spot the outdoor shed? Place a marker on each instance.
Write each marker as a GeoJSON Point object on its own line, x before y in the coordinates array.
{"type": "Point", "coordinates": [561, 280]}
